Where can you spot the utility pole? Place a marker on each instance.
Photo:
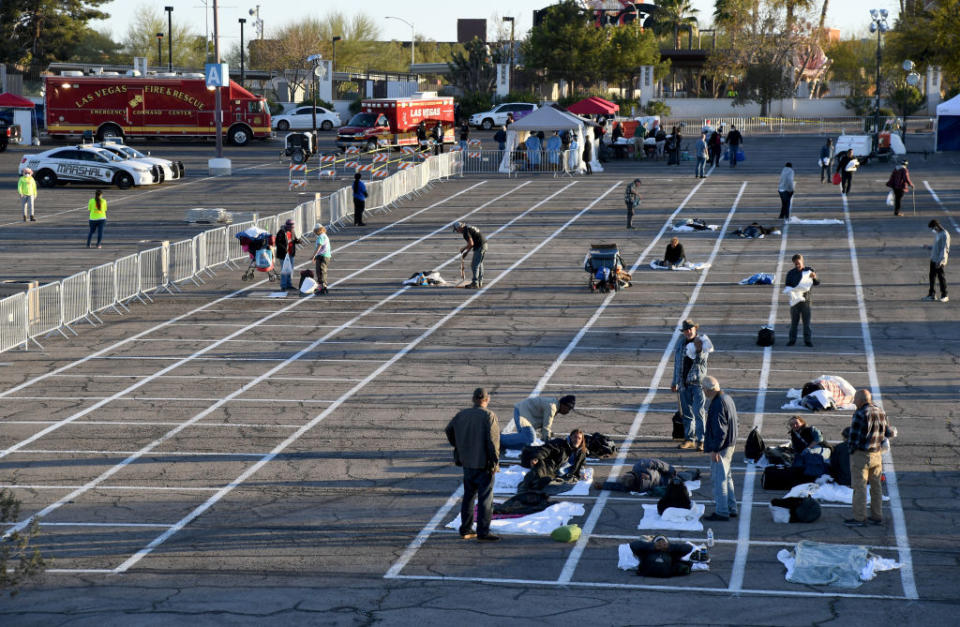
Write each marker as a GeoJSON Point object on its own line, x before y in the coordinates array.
{"type": "Point", "coordinates": [169, 11]}
{"type": "Point", "coordinates": [242, 22]}
{"type": "Point", "coordinates": [218, 104]}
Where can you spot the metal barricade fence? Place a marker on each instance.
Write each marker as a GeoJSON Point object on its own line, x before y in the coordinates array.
{"type": "Point", "coordinates": [217, 247]}
{"type": "Point", "coordinates": [182, 262]}
{"type": "Point", "coordinates": [199, 256]}
{"type": "Point", "coordinates": [375, 195]}
{"type": "Point", "coordinates": [13, 322]}
{"type": "Point", "coordinates": [234, 251]}
{"type": "Point", "coordinates": [103, 288]}
{"type": "Point", "coordinates": [268, 224]}
{"type": "Point", "coordinates": [75, 298]}
{"type": "Point", "coordinates": [153, 270]}
{"type": "Point", "coordinates": [127, 270]}
{"type": "Point", "coordinates": [43, 310]}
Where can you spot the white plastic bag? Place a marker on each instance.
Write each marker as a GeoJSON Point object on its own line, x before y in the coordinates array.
{"type": "Point", "coordinates": [890, 198]}
{"type": "Point", "coordinates": [309, 286]}
{"type": "Point", "coordinates": [287, 267]}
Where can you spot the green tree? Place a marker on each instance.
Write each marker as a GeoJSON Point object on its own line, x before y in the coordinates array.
{"type": "Point", "coordinates": [474, 69]}
{"type": "Point", "coordinates": [189, 48]}
{"type": "Point", "coordinates": [96, 47]}
{"type": "Point", "coordinates": [564, 45]}
{"type": "Point", "coordinates": [625, 48]}
{"type": "Point", "coordinates": [672, 16]}
{"type": "Point", "coordinates": [19, 562]}
{"type": "Point", "coordinates": [35, 32]}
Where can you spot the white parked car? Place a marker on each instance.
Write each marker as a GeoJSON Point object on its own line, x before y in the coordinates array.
{"type": "Point", "coordinates": [498, 115]}
{"type": "Point", "coordinates": [302, 118]}
{"type": "Point", "coordinates": [169, 170]}
{"type": "Point", "coordinates": [86, 164]}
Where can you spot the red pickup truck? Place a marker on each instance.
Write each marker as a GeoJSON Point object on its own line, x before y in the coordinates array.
{"type": "Point", "coordinates": [393, 122]}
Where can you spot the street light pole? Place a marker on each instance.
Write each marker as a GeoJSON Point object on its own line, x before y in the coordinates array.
{"type": "Point", "coordinates": [512, 24]}
{"type": "Point", "coordinates": [242, 22]}
{"type": "Point", "coordinates": [333, 68]}
{"type": "Point", "coordinates": [169, 11]}
{"type": "Point", "coordinates": [336, 38]}
{"type": "Point", "coordinates": [159, 50]}
{"type": "Point", "coordinates": [412, 35]}
{"type": "Point", "coordinates": [878, 25]}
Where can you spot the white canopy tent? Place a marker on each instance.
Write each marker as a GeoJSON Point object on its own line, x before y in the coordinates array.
{"type": "Point", "coordinates": [548, 119]}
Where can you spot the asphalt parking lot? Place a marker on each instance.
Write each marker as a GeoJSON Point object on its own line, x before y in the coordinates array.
{"type": "Point", "coordinates": [224, 456]}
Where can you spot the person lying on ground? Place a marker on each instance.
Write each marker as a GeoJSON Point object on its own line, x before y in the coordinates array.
{"type": "Point", "coordinates": [755, 230]}
{"type": "Point", "coordinates": [662, 558]}
{"type": "Point", "coordinates": [559, 459]}
{"type": "Point", "coordinates": [822, 391]}
{"type": "Point", "coordinates": [646, 475]}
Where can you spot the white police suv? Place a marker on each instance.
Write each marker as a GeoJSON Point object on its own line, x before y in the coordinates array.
{"type": "Point", "coordinates": [169, 170]}
{"type": "Point", "coordinates": [86, 164]}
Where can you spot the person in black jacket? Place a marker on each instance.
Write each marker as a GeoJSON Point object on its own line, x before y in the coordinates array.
{"type": "Point", "coordinates": [438, 139]}
{"type": "Point", "coordinates": [802, 308]}
{"type": "Point", "coordinates": [587, 153]}
{"type": "Point", "coordinates": [422, 134]}
{"type": "Point", "coordinates": [846, 176]}
{"type": "Point", "coordinates": [674, 255]}
{"type": "Point", "coordinates": [662, 558]}
{"type": "Point", "coordinates": [287, 242]}
{"type": "Point", "coordinates": [802, 435]}
{"type": "Point", "coordinates": [560, 458]}
{"type": "Point", "coordinates": [734, 139]}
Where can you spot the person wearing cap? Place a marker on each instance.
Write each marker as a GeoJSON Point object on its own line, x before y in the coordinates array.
{"type": "Point", "coordinates": [632, 198]}
{"type": "Point", "coordinates": [473, 434]}
{"type": "Point", "coordinates": [939, 253]}
{"type": "Point", "coordinates": [322, 253]}
{"type": "Point", "coordinates": [689, 369]}
{"type": "Point", "coordinates": [536, 413]}
{"type": "Point", "coordinates": [27, 189]}
{"type": "Point", "coordinates": [898, 182]}
{"type": "Point", "coordinates": [478, 245]}
{"type": "Point", "coordinates": [720, 442]}
{"type": "Point", "coordinates": [287, 242]}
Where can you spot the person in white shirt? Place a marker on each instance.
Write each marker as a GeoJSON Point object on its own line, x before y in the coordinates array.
{"type": "Point", "coordinates": [786, 187]}
{"type": "Point", "coordinates": [535, 413]}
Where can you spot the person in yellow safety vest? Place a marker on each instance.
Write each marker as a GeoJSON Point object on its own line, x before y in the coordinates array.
{"type": "Point", "coordinates": [27, 188]}
{"type": "Point", "coordinates": [98, 216]}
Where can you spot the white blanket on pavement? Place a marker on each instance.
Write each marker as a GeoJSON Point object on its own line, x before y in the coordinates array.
{"type": "Point", "coordinates": [672, 518]}
{"type": "Point", "coordinates": [540, 524]}
{"type": "Point", "coordinates": [687, 265]}
{"type": "Point", "coordinates": [796, 220]}
{"type": "Point", "coordinates": [826, 489]}
{"type": "Point", "coordinates": [509, 477]}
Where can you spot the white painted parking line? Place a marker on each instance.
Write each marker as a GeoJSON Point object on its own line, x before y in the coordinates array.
{"type": "Point", "coordinates": [117, 525]}
{"type": "Point", "coordinates": [936, 198]}
{"type": "Point", "coordinates": [124, 488]}
{"type": "Point", "coordinates": [905, 556]}
{"type": "Point", "coordinates": [359, 386]}
{"type": "Point", "coordinates": [205, 307]}
{"type": "Point", "coordinates": [191, 399]}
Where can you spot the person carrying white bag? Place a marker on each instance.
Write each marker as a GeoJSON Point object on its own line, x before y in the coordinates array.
{"type": "Point", "coordinates": [287, 241]}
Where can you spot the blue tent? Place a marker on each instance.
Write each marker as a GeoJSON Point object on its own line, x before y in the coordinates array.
{"type": "Point", "coordinates": [948, 125]}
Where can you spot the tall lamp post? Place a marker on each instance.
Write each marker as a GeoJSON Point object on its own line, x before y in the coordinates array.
{"type": "Point", "coordinates": [315, 59]}
{"type": "Point", "coordinates": [878, 25]}
{"type": "Point", "coordinates": [913, 79]}
{"type": "Point", "coordinates": [412, 34]}
{"type": "Point", "coordinates": [512, 24]}
{"type": "Point", "coordinates": [333, 65]}
{"type": "Point", "coordinates": [169, 11]}
{"type": "Point", "coordinates": [242, 22]}
{"type": "Point", "coordinates": [159, 49]}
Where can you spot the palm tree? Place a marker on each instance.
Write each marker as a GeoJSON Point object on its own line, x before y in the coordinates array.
{"type": "Point", "coordinates": [675, 15]}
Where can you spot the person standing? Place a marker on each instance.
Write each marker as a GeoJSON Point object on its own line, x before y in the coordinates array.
{"type": "Point", "coordinates": [422, 134]}
{"type": "Point", "coordinates": [438, 138]}
{"type": "Point", "coordinates": [501, 138]}
{"type": "Point", "coordinates": [868, 430]}
{"type": "Point", "coordinates": [322, 253]}
{"type": "Point", "coordinates": [674, 143]}
{"type": "Point", "coordinates": [939, 253]}
{"type": "Point", "coordinates": [287, 242]}
{"type": "Point", "coordinates": [801, 279]}
{"type": "Point", "coordinates": [464, 136]}
{"type": "Point", "coordinates": [703, 154]}
{"type": "Point", "coordinates": [689, 370]}
{"type": "Point", "coordinates": [846, 165]}
{"type": "Point", "coordinates": [533, 413]}
{"type": "Point", "coordinates": [478, 245]}
{"type": "Point", "coordinates": [721, 440]}
{"type": "Point", "coordinates": [898, 182]}
{"type": "Point", "coordinates": [826, 158]}
{"type": "Point", "coordinates": [587, 153]}
{"type": "Point", "coordinates": [359, 200]}
{"type": "Point", "coordinates": [474, 435]}
{"type": "Point", "coordinates": [27, 189]}
{"type": "Point", "coordinates": [785, 188]}
{"type": "Point", "coordinates": [734, 141]}
{"type": "Point", "coordinates": [97, 207]}
{"type": "Point", "coordinates": [632, 198]}
{"type": "Point", "coordinates": [716, 147]}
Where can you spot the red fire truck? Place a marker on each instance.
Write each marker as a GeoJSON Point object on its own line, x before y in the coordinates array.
{"type": "Point", "coordinates": [118, 106]}
{"type": "Point", "coordinates": [393, 122]}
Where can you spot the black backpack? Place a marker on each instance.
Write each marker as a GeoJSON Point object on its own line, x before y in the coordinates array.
{"type": "Point", "coordinates": [765, 336]}
{"type": "Point", "coordinates": [753, 450]}
{"type": "Point", "coordinates": [599, 445]}
{"type": "Point", "coordinates": [677, 495]}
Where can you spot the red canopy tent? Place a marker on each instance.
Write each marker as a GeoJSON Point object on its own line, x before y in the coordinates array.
{"type": "Point", "coordinates": [594, 105]}
{"type": "Point", "coordinates": [8, 100]}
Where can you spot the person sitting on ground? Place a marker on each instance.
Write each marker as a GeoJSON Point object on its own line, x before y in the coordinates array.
{"type": "Point", "coordinates": [559, 459]}
{"type": "Point", "coordinates": [535, 413]}
{"type": "Point", "coordinates": [622, 277]}
{"type": "Point", "coordinates": [662, 558]}
{"type": "Point", "coordinates": [646, 475]}
{"type": "Point", "coordinates": [802, 435]}
{"type": "Point", "coordinates": [674, 255]}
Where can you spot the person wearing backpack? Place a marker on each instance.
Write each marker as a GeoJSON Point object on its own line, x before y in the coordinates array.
{"type": "Point", "coordinates": [689, 369]}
